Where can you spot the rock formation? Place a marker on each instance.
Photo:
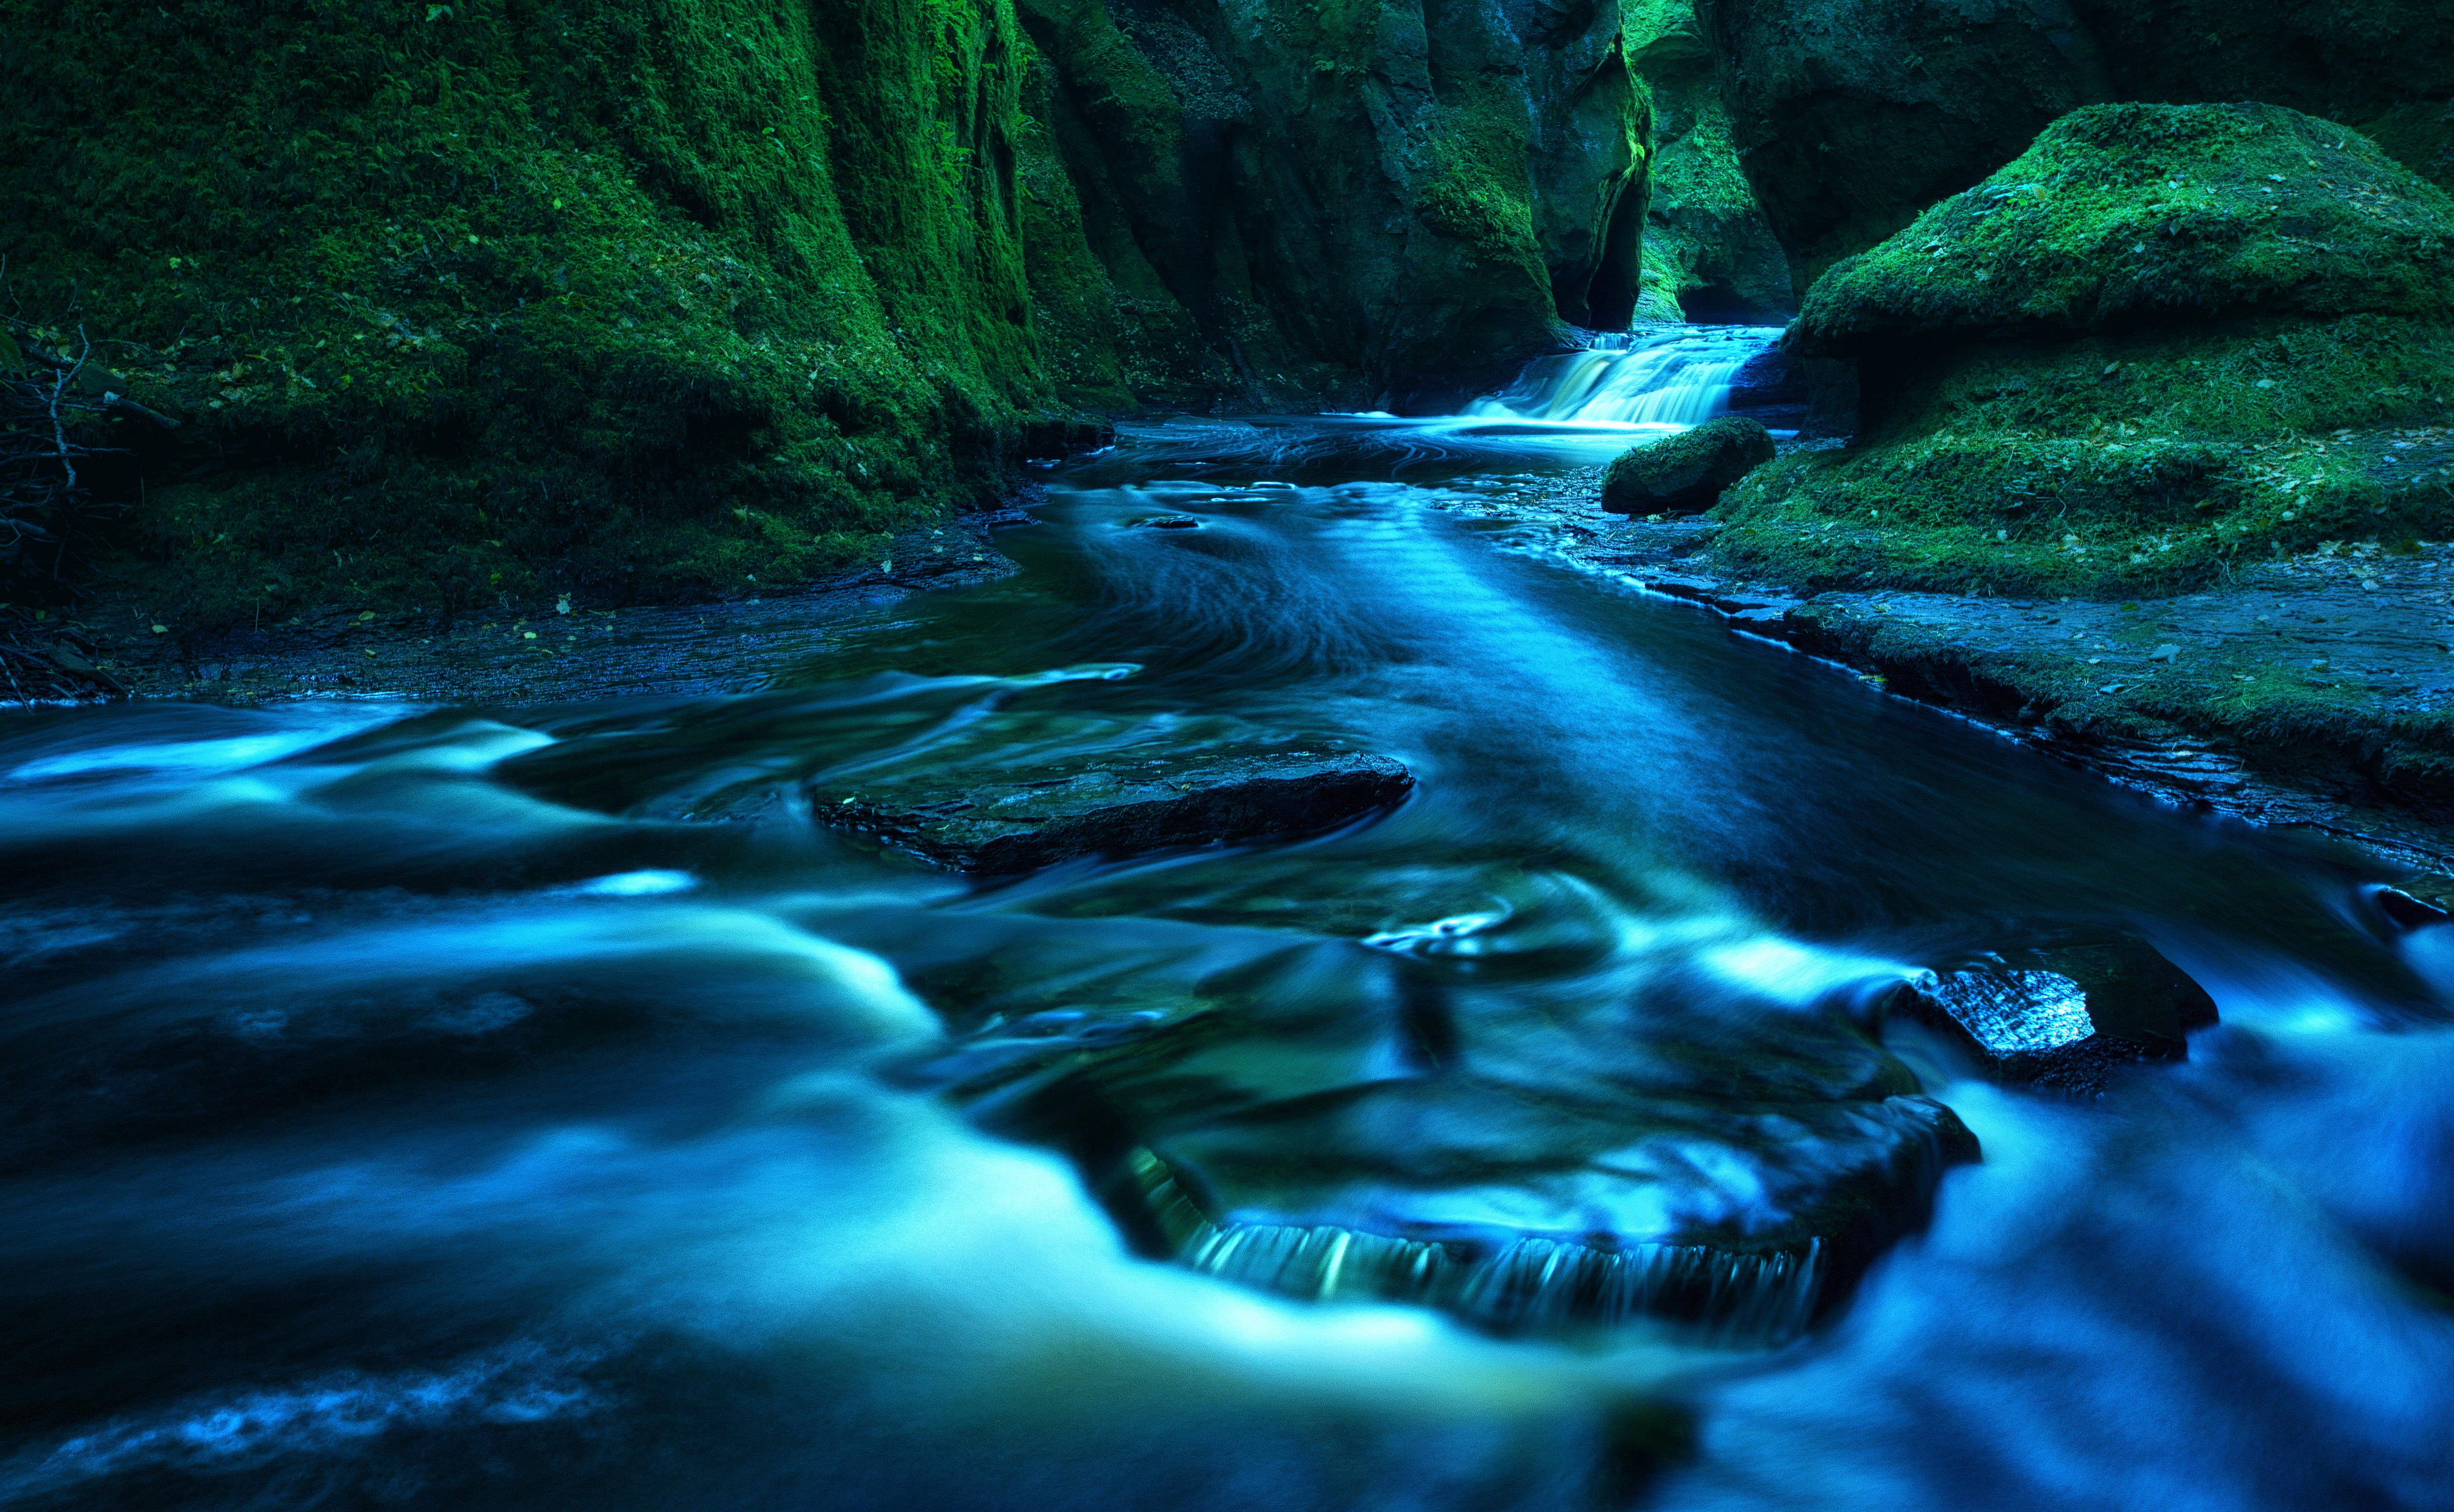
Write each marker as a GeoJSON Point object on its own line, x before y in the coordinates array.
{"type": "Point", "coordinates": [2123, 361]}
{"type": "Point", "coordinates": [1850, 117]}
{"type": "Point", "coordinates": [1393, 204]}
{"type": "Point", "coordinates": [1686, 473]}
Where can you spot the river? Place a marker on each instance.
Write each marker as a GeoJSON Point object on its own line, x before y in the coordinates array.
{"type": "Point", "coordinates": [539, 1106]}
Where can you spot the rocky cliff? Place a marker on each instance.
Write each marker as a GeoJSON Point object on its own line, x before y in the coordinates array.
{"type": "Point", "coordinates": [1851, 117]}
{"type": "Point", "coordinates": [1284, 202]}
{"type": "Point", "coordinates": [500, 298]}
{"type": "Point", "coordinates": [490, 299]}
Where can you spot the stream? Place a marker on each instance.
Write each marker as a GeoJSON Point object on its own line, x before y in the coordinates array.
{"type": "Point", "coordinates": [543, 1107]}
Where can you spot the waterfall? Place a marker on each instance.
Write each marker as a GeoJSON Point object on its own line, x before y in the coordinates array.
{"type": "Point", "coordinates": [1662, 379]}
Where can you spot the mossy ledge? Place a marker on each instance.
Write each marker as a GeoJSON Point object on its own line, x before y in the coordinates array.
{"type": "Point", "coordinates": [2166, 341]}
{"type": "Point", "coordinates": [497, 299]}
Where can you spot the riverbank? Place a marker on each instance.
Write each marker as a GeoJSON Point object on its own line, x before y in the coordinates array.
{"type": "Point", "coordinates": [2315, 691]}
{"type": "Point", "coordinates": [552, 650]}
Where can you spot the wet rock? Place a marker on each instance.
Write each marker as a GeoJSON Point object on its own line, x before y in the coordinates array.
{"type": "Point", "coordinates": [1686, 474]}
{"type": "Point", "coordinates": [1585, 1166]}
{"type": "Point", "coordinates": [1020, 821]}
{"type": "Point", "coordinates": [1166, 522]}
{"type": "Point", "coordinates": [2406, 913]}
{"type": "Point", "coordinates": [2070, 1017]}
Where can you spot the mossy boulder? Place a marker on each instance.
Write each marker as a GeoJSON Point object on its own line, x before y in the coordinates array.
{"type": "Point", "coordinates": [2120, 214]}
{"type": "Point", "coordinates": [1687, 473]}
{"type": "Point", "coordinates": [2162, 338]}
{"type": "Point", "coordinates": [1851, 117]}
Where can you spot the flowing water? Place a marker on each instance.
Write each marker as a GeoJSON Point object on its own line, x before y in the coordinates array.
{"type": "Point", "coordinates": [510, 1107]}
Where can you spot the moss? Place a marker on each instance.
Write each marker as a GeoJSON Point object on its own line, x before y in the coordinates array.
{"type": "Point", "coordinates": [1707, 243]}
{"type": "Point", "coordinates": [2047, 409]}
{"type": "Point", "coordinates": [497, 297]}
{"type": "Point", "coordinates": [2420, 136]}
{"type": "Point", "coordinates": [1374, 202]}
{"type": "Point", "coordinates": [2122, 213]}
{"type": "Point", "coordinates": [1686, 472]}
{"type": "Point", "coordinates": [2115, 465]}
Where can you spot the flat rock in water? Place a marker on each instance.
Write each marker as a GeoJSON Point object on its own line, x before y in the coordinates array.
{"type": "Point", "coordinates": [1022, 819]}
{"type": "Point", "coordinates": [1641, 1150]}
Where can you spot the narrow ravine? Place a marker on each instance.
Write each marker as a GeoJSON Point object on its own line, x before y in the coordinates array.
{"type": "Point", "coordinates": [602, 1105]}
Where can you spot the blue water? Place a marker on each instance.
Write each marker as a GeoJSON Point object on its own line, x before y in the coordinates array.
{"type": "Point", "coordinates": [518, 1107]}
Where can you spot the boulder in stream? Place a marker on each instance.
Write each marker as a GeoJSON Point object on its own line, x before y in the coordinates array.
{"type": "Point", "coordinates": [1687, 473]}
{"type": "Point", "coordinates": [1019, 819]}
{"type": "Point", "coordinates": [2062, 1020]}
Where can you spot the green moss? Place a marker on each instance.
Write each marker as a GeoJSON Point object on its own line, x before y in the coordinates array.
{"type": "Point", "coordinates": [481, 300]}
{"type": "Point", "coordinates": [2047, 409]}
{"type": "Point", "coordinates": [2112, 466]}
{"type": "Point", "coordinates": [2122, 213]}
{"type": "Point", "coordinates": [1688, 470]}
{"type": "Point", "coordinates": [1706, 239]}
{"type": "Point", "coordinates": [2420, 137]}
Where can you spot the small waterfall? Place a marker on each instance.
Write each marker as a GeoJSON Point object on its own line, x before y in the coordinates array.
{"type": "Point", "coordinates": [1665, 380]}
{"type": "Point", "coordinates": [1532, 1284]}
{"type": "Point", "coordinates": [1529, 1283]}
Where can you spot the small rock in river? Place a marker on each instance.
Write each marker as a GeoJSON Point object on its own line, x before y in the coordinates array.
{"type": "Point", "coordinates": [2164, 652]}
{"type": "Point", "coordinates": [1686, 474]}
{"type": "Point", "coordinates": [1007, 819]}
{"type": "Point", "coordinates": [1166, 522]}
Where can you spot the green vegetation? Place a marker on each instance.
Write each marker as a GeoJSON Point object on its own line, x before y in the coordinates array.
{"type": "Point", "coordinates": [2165, 340]}
{"type": "Point", "coordinates": [2125, 212]}
{"type": "Point", "coordinates": [482, 300]}
{"type": "Point", "coordinates": [1688, 472]}
{"type": "Point", "coordinates": [1706, 239]}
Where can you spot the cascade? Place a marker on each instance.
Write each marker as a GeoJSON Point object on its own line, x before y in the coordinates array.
{"type": "Point", "coordinates": [1667, 379]}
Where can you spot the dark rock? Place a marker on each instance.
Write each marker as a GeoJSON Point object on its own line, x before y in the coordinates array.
{"type": "Point", "coordinates": [1166, 522]}
{"type": "Point", "coordinates": [1018, 822]}
{"type": "Point", "coordinates": [1686, 474]}
{"type": "Point", "coordinates": [2066, 1027]}
{"type": "Point", "coordinates": [2409, 912]}
{"type": "Point", "coordinates": [1408, 197]}
{"type": "Point", "coordinates": [1589, 1165]}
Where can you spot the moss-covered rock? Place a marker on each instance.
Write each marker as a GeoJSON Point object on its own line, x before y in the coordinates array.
{"type": "Point", "coordinates": [1390, 202]}
{"type": "Point", "coordinates": [500, 298]}
{"type": "Point", "coordinates": [2164, 337]}
{"type": "Point", "coordinates": [1709, 254]}
{"type": "Point", "coordinates": [1850, 117]}
{"type": "Point", "coordinates": [2120, 214]}
{"type": "Point", "coordinates": [1686, 473]}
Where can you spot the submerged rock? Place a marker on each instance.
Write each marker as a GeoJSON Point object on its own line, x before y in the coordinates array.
{"type": "Point", "coordinates": [1686, 474]}
{"type": "Point", "coordinates": [1020, 821]}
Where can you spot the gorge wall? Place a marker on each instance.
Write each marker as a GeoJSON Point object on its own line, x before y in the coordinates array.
{"type": "Point", "coordinates": [473, 301]}
{"type": "Point", "coordinates": [1387, 203]}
